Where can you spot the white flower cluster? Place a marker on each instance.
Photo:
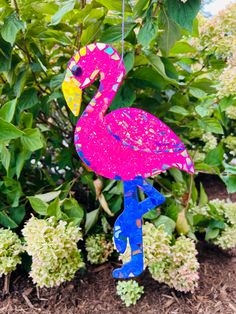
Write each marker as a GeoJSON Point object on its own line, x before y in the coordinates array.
{"type": "Point", "coordinates": [129, 291]}
{"type": "Point", "coordinates": [231, 110]}
{"type": "Point", "coordinates": [227, 238]}
{"type": "Point", "coordinates": [184, 1]}
{"type": "Point", "coordinates": [179, 269]}
{"type": "Point", "coordinates": [175, 265]}
{"type": "Point", "coordinates": [227, 82]}
{"type": "Point", "coordinates": [227, 209]}
{"type": "Point", "coordinates": [210, 141]}
{"type": "Point", "coordinates": [98, 248]}
{"type": "Point", "coordinates": [53, 247]}
{"type": "Point", "coordinates": [10, 250]}
{"type": "Point", "coordinates": [230, 143]}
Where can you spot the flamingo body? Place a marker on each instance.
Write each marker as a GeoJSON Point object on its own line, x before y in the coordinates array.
{"type": "Point", "coordinates": [127, 144]}
{"type": "Point", "coordinates": [130, 143]}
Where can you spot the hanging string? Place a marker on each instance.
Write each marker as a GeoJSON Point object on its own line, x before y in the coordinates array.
{"type": "Point", "coordinates": [123, 32]}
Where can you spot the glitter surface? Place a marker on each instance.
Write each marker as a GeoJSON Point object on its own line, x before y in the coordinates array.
{"type": "Point", "coordinates": [127, 144]}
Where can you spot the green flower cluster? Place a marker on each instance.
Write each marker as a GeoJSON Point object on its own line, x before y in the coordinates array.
{"type": "Point", "coordinates": [230, 143]}
{"type": "Point", "coordinates": [129, 291]}
{"type": "Point", "coordinates": [98, 248]}
{"type": "Point", "coordinates": [53, 247]}
{"type": "Point", "coordinates": [179, 269]}
{"type": "Point", "coordinates": [227, 238]}
{"type": "Point", "coordinates": [226, 209]}
{"type": "Point", "coordinates": [175, 265]}
{"type": "Point", "coordinates": [231, 110]}
{"type": "Point", "coordinates": [210, 141]}
{"type": "Point", "coordinates": [10, 250]}
{"type": "Point", "coordinates": [156, 243]}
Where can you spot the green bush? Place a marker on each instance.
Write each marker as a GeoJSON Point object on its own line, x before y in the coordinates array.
{"type": "Point", "coordinates": [10, 250]}
{"type": "Point", "coordinates": [129, 291]}
{"type": "Point", "coordinates": [53, 247]}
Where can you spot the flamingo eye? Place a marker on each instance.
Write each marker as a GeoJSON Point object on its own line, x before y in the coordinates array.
{"type": "Point", "coordinates": [76, 70]}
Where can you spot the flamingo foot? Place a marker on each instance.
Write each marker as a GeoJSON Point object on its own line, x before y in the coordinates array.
{"type": "Point", "coordinates": [128, 225]}
{"type": "Point", "coordinates": [131, 269]}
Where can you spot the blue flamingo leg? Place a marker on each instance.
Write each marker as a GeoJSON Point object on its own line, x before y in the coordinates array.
{"type": "Point", "coordinates": [128, 225]}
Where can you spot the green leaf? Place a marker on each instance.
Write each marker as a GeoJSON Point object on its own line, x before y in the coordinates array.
{"type": "Point", "coordinates": [211, 125]}
{"type": "Point", "coordinates": [32, 139]}
{"type": "Point", "coordinates": [20, 160]}
{"type": "Point", "coordinates": [65, 7]}
{"type": "Point", "coordinates": [149, 78]}
{"type": "Point", "coordinates": [182, 225]}
{"type": "Point", "coordinates": [17, 214]}
{"type": "Point", "coordinates": [170, 34]}
{"type": "Point", "coordinates": [11, 27]}
{"type": "Point", "coordinates": [7, 110]}
{"type": "Point", "coordinates": [5, 158]}
{"type": "Point", "coordinates": [48, 197]}
{"type": "Point", "coordinates": [113, 33]}
{"type": "Point", "coordinates": [6, 221]}
{"type": "Point", "coordinates": [180, 110]}
{"type": "Point", "coordinates": [197, 92]}
{"type": "Point", "coordinates": [203, 198]}
{"type": "Point", "coordinates": [5, 55]}
{"type": "Point", "coordinates": [38, 205]}
{"type": "Point", "coordinates": [158, 65]}
{"type": "Point", "coordinates": [115, 5]}
{"type": "Point", "coordinates": [148, 32]}
{"type": "Point", "coordinates": [73, 210]}
{"type": "Point", "coordinates": [215, 157]}
{"type": "Point", "coordinates": [230, 182]}
{"type": "Point", "coordinates": [8, 131]}
{"type": "Point", "coordinates": [91, 219]}
{"type": "Point", "coordinates": [183, 13]}
{"type": "Point", "coordinates": [139, 7]}
{"type": "Point", "coordinates": [53, 209]}
{"type": "Point", "coordinates": [211, 233]}
{"type": "Point", "coordinates": [182, 47]}
{"type": "Point", "coordinates": [13, 191]}
{"type": "Point", "coordinates": [168, 223]}
{"type": "Point", "coordinates": [125, 97]}
{"type": "Point", "coordinates": [151, 214]}
{"type": "Point", "coordinates": [28, 99]}
{"type": "Point", "coordinates": [129, 61]}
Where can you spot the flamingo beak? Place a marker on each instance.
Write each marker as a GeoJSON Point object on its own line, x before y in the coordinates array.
{"type": "Point", "coordinates": [72, 94]}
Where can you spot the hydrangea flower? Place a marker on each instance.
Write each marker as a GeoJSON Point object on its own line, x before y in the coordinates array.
{"type": "Point", "coordinates": [129, 291]}
{"type": "Point", "coordinates": [179, 270]}
{"type": "Point", "coordinates": [10, 250]}
{"type": "Point", "coordinates": [210, 141]}
{"type": "Point", "coordinates": [231, 110]}
{"type": "Point", "coordinates": [156, 243]}
{"type": "Point", "coordinates": [230, 142]}
{"type": "Point", "coordinates": [98, 248]}
{"type": "Point", "coordinates": [53, 247]}
{"type": "Point", "coordinates": [227, 238]}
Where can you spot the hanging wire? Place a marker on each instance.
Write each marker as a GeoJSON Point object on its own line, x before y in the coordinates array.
{"type": "Point", "coordinates": [123, 31]}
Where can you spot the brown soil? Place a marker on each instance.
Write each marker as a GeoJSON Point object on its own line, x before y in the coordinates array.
{"type": "Point", "coordinates": [95, 291]}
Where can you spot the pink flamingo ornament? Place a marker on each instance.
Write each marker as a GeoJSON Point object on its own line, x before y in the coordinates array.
{"type": "Point", "coordinates": [127, 144]}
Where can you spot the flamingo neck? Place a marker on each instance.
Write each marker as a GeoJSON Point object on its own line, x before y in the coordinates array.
{"type": "Point", "coordinates": [101, 101]}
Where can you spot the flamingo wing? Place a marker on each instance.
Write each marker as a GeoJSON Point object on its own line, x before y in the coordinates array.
{"type": "Point", "coordinates": [142, 131]}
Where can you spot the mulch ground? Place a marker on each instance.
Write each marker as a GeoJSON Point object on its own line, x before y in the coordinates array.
{"type": "Point", "coordinates": [95, 292]}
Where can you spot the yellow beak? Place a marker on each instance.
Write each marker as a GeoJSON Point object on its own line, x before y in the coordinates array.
{"type": "Point", "coordinates": [72, 94]}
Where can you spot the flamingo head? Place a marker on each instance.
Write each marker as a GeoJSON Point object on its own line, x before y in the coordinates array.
{"type": "Point", "coordinates": [83, 69]}
{"type": "Point", "coordinates": [76, 79]}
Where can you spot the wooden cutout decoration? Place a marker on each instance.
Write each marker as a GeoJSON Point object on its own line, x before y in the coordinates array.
{"type": "Point", "coordinates": [127, 144]}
